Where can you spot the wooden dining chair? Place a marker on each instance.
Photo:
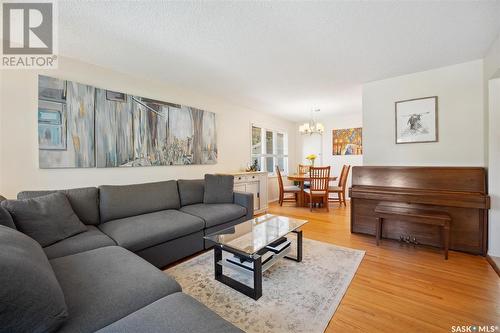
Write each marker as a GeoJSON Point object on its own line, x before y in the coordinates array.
{"type": "Point", "coordinates": [295, 190]}
{"type": "Point", "coordinates": [319, 181]}
{"type": "Point", "coordinates": [341, 187]}
{"type": "Point", "coordinates": [303, 169]}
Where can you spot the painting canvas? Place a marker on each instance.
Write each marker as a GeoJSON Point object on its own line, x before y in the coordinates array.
{"type": "Point", "coordinates": [347, 141]}
{"type": "Point", "coordinates": [65, 124]}
{"type": "Point", "coordinates": [51, 125]}
{"type": "Point", "coordinates": [416, 120]}
{"type": "Point", "coordinates": [94, 127]}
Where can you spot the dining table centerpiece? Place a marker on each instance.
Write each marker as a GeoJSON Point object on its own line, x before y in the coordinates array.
{"type": "Point", "coordinates": [311, 158]}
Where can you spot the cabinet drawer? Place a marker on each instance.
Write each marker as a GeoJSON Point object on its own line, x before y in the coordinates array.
{"type": "Point", "coordinates": [239, 179]}
{"type": "Point", "coordinates": [251, 178]}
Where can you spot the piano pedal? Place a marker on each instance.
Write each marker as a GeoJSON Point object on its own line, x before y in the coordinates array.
{"type": "Point", "coordinates": [407, 239]}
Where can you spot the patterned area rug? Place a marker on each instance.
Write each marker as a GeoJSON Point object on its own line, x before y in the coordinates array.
{"type": "Point", "coordinates": [296, 297]}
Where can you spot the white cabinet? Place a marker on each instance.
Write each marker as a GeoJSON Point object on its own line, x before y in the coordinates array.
{"type": "Point", "coordinates": [240, 187]}
{"type": "Point", "coordinates": [253, 187]}
{"type": "Point", "coordinates": [255, 183]}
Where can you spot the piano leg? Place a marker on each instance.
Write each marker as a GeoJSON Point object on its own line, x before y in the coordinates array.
{"type": "Point", "coordinates": [446, 239]}
{"type": "Point", "coordinates": [379, 230]}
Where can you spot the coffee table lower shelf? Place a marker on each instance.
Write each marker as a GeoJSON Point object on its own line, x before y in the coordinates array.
{"type": "Point", "coordinates": [254, 292]}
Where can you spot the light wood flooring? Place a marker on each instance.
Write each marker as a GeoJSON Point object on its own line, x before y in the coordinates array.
{"type": "Point", "coordinates": [402, 288]}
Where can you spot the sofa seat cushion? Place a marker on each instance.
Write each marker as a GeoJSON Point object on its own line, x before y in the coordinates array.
{"type": "Point", "coordinates": [91, 239]}
{"type": "Point", "coordinates": [143, 231]}
{"type": "Point", "coordinates": [215, 214]}
{"type": "Point", "coordinates": [104, 285]}
{"type": "Point", "coordinates": [176, 313]}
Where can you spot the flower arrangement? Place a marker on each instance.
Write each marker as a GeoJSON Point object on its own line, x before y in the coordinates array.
{"type": "Point", "coordinates": [311, 158]}
{"type": "Point", "coordinates": [253, 167]}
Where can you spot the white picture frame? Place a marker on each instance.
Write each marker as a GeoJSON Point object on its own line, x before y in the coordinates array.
{"type": "Point", "coordinates": [417, 120]}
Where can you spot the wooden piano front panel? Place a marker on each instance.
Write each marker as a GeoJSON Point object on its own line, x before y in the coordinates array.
{"type": "Point", "coordinates": [467, 226]}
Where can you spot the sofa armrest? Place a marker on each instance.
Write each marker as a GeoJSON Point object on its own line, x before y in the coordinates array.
{"type": "Point", "coordinates": [245, 199]}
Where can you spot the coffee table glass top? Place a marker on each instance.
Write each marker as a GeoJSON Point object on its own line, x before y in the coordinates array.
{"type": "Point", "coordinates": [253, 235]}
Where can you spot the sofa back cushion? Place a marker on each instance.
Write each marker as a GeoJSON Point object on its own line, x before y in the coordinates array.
{"type": "Point", "coordinates": [85, 201]}
{"type": "Point", "coordinates": [218, 189]}
{"type": "Point", "coordinates": [47, 219]}
{"type": "Point", "coordinates": [119, 201]}
{"type": "Point", "coordinates": [191, 191]}
{"type": "Point", "coordinates": [31, 299]}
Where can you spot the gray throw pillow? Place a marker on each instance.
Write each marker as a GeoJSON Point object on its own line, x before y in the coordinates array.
{"type": "Point", "coordinates": [47, 219]}
{"type": "Point", "coordinates": [31, 299]}
{"type": "Point", "coordinates": [83, 200]}
{"type": "Point", "coordinates": [6, 219]}
{"type": "Point", "coordinates": [218, 189]}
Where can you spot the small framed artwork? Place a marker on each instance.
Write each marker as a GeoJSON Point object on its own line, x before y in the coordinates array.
{"type": "Point", "coordinates": [417, 120]}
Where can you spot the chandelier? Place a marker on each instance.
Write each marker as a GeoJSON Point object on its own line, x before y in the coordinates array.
{"type": "Point", "coordinates": [312, 127]}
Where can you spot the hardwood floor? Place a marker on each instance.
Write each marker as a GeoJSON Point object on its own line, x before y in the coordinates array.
{"type": "Point", "coordinates": [402, 288]}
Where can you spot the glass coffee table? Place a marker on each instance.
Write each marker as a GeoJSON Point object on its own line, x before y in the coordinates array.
{"type": "Point", "coordinates": [252, 247]}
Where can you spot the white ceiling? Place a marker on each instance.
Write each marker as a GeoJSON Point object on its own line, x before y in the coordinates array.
{"type": "Point", "coordinates": [279, 57]}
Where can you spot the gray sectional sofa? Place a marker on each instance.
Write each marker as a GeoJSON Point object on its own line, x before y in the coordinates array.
{"type": "Point", "coordinates": [161, 222]}
{"type": "Point", "coordinates": [103, 279]}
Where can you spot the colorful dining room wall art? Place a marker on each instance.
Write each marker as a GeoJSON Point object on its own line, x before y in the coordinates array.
{"type": "Point", "coordinates": [347, 141]}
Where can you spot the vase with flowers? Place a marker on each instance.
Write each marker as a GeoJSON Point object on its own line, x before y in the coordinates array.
{"type": "Point", "coordinates": [311, 158]}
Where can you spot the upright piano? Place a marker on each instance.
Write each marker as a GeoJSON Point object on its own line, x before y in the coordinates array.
{"type": "Point", "coordinates": [461, 192]}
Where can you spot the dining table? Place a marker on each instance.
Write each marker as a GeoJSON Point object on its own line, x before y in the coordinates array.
{"type": "Point", "coordinates": [302, 178]}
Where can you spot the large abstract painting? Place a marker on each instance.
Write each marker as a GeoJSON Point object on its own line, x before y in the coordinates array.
{"type": "Point", "coordinates": [80, 126]}
{"type": "Point", "coordinates": [347, 141]}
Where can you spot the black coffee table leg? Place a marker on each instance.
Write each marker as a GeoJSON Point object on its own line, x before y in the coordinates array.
{"type": "Point", "coordinates": [298, 257]}
{"type": "Point", "coordinates": [256, 291]}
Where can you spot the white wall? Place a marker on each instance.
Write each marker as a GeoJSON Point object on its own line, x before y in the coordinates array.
{"type": "Point", "coordinates": [1, 140]}
{"type": "Point", "coordinates": [18, 130]}
{"type": "Point", "coordinates": [494, 168]}
{"type": "Point", "coordinates": [310, 144]}
{"type": "Point", "coordinates": [492, 60]}
{"type": "Point", "coordinates": [492, 114]}
{"type": "Point", "coordinates": [491, 67]}
{"type": "Point", "coordinates": [461, 122]}
{"type": "Point", "coordinates": [307, 145]}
